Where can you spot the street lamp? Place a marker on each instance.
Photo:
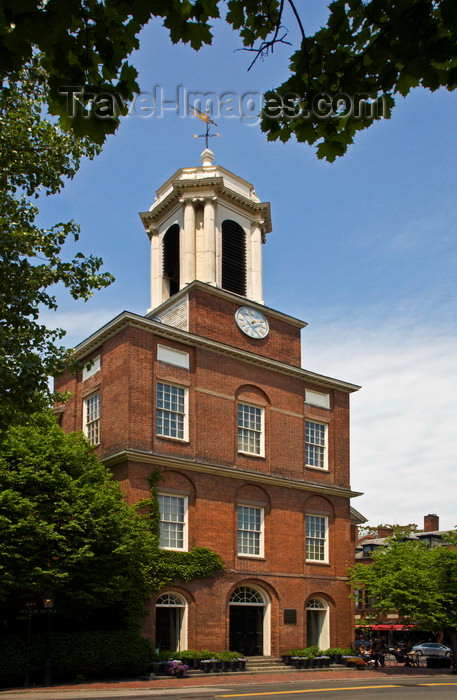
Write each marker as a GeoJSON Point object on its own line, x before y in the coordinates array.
{"type": "Point", "coordinates": [48, 604]}
{"type": "Point", "coordinates": [48, 600]}
{"type": "Point", "coordinates": [29, 610]}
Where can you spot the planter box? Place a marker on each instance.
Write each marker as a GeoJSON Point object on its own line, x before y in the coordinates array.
{"type": "Point", "coordinates": [438, 662]}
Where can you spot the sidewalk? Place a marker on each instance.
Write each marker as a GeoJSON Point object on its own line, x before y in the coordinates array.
{"type": "Point", "coordinates": [208, 681]}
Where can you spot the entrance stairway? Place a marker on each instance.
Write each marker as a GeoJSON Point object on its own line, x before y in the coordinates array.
{"type": "Point", "coordinates": [266, 664]}
{"type": "Point", "coordinates": [254, 664]}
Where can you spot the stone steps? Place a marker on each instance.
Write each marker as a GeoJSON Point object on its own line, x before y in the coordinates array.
{"type": "Point", "coordinates": [254, 664]}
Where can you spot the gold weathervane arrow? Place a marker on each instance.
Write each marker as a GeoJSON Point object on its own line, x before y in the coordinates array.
{"type": "Point", "coordinates": [204, 116]}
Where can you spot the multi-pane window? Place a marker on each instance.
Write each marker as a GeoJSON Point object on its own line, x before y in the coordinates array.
{"type": "Point", "coordinates": [92, 419]}
{"type": "Point", "coordinates": [173, 521]}
{"type": "Point", "coordinates": [250, 530]}
{"type": "Point", "coordinates": [171, 419]}
{"type": "Point", "coordinates": [316, 538]}
{"type": "Point", "coordinates": [250, 429]}
{"type": "Point", "coordinates": [316, 444]}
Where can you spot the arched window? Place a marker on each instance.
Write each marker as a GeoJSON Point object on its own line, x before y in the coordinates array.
{"type": "Point", "coordinates": [233, 257]}
{"type": "Point", "coordinates": [171, 258]}
{"type": "Point", "coordinates": [167, 599]}
{"type": "Point", "coordinates": [244, 595]}
{"type": "Point", "coordinates": [316, 604]}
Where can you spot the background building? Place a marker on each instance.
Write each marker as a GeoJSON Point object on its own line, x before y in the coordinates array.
{"type": "Point", "coordinates": [253, 450]}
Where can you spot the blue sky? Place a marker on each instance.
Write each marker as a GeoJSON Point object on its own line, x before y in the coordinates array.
{"type": "Point", "coordinates": [364, 250]}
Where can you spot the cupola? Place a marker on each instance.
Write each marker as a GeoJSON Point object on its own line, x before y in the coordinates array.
{"type": "Point", "coordinates": [206, 224]}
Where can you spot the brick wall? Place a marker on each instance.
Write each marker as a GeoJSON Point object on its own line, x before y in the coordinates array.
{"type": "Point", "coordinates": [213, 317]}
{"type": "Point", "coordinates": [283, 573]}
{"type": "Point", "coordinates": [215, 383]}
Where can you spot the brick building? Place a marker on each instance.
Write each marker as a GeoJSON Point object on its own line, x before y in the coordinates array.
{"type": "Point", "coordinates": [253, 450]}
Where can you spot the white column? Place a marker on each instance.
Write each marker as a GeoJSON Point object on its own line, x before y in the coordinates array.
{"type": "Point", "coordinates": [187, 247]}
{"type": "Point", "coordinates": [156, 269]}
{"type": "Point", "coordinates": [255, 263]}
{"type": "Point", "coordinates": [210, 241]}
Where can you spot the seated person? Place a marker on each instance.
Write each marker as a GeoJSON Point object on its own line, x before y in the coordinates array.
{"type": "Point", "coordinates": [377, 657]}
{"type": "Point", "coordinates": [400, 656]}
{"type": "Point", "coordinates": [363, 652]}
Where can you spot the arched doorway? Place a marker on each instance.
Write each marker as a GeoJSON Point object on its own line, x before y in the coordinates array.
{"type": "Point", "coordinates": [317, 623]}
{"type": "Point", "coordinates": [249, 632]}
{"type": "Point", "coordinates": [171, 622]}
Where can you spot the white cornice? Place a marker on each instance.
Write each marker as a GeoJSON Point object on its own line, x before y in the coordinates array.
{"type": "Point", "coordinates": [209, 186]}
{"type": "Point", "coordinates": [357, 518]}
{"type": "Point", "coordinates": [126, 318]}
{"type": "Point", "coordinates": [258, 477]}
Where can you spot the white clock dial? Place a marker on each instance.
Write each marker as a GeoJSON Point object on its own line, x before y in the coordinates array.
{"type": "Point", "coordinates": [252, 322]}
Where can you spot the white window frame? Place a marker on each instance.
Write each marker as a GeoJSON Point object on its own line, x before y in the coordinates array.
{"type": "Point", "coordinates": [91, 420]}
{"type": "Point", "coordinates": [313, 539]}
{"type": "Point", "coordinates": [320, 609]}
{"type": "Point", "coordinates": [184, 413]}
{"type": "Point", "coordinates": [258, 533]}
{"type": "Point", "coordinates": [183, 522]}
{"type": "Point", "coordinates": [316, 446]}
{"type": "Point", "coordinates": [253, 432]}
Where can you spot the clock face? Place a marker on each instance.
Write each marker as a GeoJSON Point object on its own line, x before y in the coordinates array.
{"type": "Point", "coordinates": [252, 322]}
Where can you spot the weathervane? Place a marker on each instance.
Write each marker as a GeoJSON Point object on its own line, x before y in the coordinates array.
{"type": "Point", "coordinates": [208, 121]}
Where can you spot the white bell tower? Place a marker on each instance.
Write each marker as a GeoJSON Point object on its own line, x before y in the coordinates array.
{"type": "Point", "coordinates": [206, 224]}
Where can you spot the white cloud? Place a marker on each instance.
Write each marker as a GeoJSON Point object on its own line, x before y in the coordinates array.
{"type": "Point", "coordinates": [404, 418]}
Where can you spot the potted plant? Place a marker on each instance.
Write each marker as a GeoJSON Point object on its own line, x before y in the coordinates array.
{"type": "Point", "coordinates": [228, 660]}
{"type": "Point", "coordinates": [349, 659]}
{"type": "Point", "coordinates": [286, 657]}
{"type": "Point", "coordinates": [175, 667]}
{"type": "Point", "coordinates": [208, 665]}
{"type": "Point", "coordinates": [334, 654]}
{"type": "Point", "coordinates": [242, 663]}
{"type": "Point", "coordinates": [297, 661]}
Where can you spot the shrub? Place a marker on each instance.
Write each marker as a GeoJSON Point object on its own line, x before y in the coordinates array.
{"type": "Point", "coordinates": [105, 654]}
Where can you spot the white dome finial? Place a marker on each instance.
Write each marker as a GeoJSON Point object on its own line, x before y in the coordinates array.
{"type": "Point", "coordinates": [207, 157]}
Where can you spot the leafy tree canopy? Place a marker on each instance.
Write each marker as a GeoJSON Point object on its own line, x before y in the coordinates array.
{"type": "Point", "coordinates": [37, 156]}
{"type": "Point", "coordinates": [342, 78]}
{"type": "Point", "coordinates": [66, 527]}
{"type": "Point", "coordinates": [417, 581]}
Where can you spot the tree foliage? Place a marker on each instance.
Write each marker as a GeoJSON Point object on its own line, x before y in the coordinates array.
{"type": "Point", "coordinates": [414, 580]}
{"type": "Point", "coordinates": [66, 526]}
{"type": "Point", "coordinates": [342, 78]}
{"type": "Point", "coordinates": [37, 157]}
{"type": "Point", "coordinates": [346, 76]}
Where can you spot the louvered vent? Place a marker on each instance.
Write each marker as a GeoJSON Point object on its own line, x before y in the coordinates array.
{"type": "Point", "coordinates": [233, 257]}
{"type": "Point", "coordinates": [177, 315]}
{"type": "Point", "coordinates": [171, 258]}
